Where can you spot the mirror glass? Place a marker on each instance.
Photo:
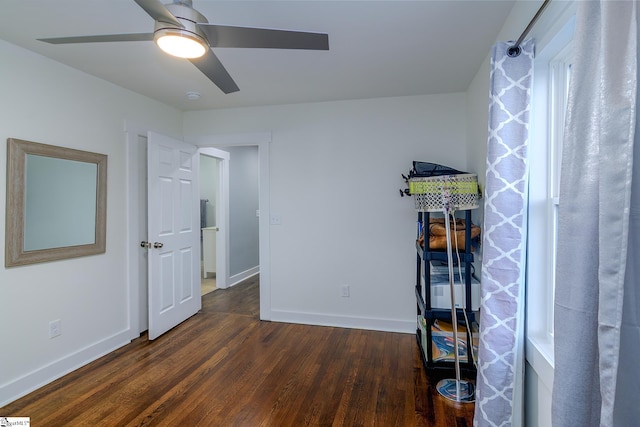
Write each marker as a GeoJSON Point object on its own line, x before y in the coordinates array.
{"type": "Point", "coordinates": [56, 203]}
{"type": "Point", "coordinates": [60, 203]}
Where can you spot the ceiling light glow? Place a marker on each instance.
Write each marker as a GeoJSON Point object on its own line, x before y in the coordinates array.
{"type": "Point", "coordinates": [180, 43]}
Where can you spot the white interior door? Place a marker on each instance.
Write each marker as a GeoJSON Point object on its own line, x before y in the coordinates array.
{"type": "Point", "coordinates": [174, 233]}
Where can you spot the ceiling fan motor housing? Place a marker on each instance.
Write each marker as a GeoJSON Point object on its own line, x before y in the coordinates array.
{"type": "Point", "coordinates": [188, 16]}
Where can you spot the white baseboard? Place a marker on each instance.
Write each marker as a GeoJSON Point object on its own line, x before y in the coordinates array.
{"type": "Point", "coordinates": [352, 322]}
{"type": "Point", "coordinates": [17, 388]}
{"type": "Point", "coordinates": [237, 278]}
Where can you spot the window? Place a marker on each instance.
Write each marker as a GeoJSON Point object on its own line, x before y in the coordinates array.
{"type": "Point", "coordinates": [552, 70]}
{"type": "Point", "coordinates": [560, 73]}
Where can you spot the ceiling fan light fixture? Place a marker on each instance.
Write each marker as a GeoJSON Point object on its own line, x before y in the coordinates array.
{"type": "Point", "coordinates": [180, 43]}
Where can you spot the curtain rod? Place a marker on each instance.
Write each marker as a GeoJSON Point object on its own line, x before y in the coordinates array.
{"type": "Point", "coordinates": [514, 50]}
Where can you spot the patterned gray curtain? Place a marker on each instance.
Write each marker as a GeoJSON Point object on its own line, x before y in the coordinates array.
{"type": "Point", "coordinates": [501, 347]}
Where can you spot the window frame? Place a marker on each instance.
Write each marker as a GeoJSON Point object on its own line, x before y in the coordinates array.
{"type": "Point", "coordinates": [550, 88]}
{"type": "Point", "coordinates": [559, 70]}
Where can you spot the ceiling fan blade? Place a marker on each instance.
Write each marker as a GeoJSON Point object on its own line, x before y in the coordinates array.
{"type": "Point", "coordinates": [211, 67]}
{"type": "Point", "coordinates": [101, 38]}
{"type": "Point", "coordinates": [227, 36]}
{"type": "Point", "coordinates": [158, 11]}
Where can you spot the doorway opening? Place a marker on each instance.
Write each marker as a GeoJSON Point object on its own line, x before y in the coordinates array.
{"type": "Point", "coordinates": [209, 228]}
{"type": "Point", "coordinates": [138, 224]}
{"type": "Point", "coordinates": [261, 140]}
{"type": "Point", "coordinates": [137, 213]}
{"type": "Point", "coordinates": [244, 213]}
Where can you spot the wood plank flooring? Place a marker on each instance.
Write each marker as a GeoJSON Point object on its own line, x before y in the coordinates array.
{"type": "Point", "coordinates": [224, 367]}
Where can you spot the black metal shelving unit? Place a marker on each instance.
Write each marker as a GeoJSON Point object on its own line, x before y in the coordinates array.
{"type": "Point", "coordinates": [424, 301]}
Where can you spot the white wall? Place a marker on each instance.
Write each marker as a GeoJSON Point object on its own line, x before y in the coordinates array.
{"type": "Point", "coordinates": [243, 205]}
{"type": "Point", "coordinates": [335, 171]}
{"type": "Point", "coordinates": [49, 103]}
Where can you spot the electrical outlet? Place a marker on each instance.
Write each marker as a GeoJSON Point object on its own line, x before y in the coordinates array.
{"type": "Point", "coordinates": [344, 291]}
{"type": "Point", "coordinates": [276, 219]}
{"type": "Point", "coordinates": [54, 328]}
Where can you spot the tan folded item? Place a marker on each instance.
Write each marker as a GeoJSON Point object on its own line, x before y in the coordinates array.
{"type": "Point", "coordinates": [438, 234]}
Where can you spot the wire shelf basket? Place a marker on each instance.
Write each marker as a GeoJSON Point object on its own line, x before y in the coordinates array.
{"type": "Point", "coordinates": [434, 193]}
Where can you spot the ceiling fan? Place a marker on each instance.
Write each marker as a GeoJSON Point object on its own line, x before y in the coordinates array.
{"type": "Point", "coordinates": [182, 31]}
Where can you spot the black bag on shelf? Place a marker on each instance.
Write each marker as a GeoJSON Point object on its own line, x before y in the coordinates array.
{"type": "Point", "coordinates": [427, 169]}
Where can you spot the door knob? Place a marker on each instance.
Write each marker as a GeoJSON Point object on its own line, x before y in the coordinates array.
{"type": "Point", "coordinates": [145, 245]}
{"type": "Point", "coordinates": [157, 245]}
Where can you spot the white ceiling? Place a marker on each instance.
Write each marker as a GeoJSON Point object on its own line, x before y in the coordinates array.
{"type": "Point", "coordinates": [377, 48]}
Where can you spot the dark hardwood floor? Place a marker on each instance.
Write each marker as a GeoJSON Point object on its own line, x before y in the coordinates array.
{"type": "Point", "coordinates": [224, 367]}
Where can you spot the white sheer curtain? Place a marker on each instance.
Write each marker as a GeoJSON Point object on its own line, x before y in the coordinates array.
{"type": "Point", "coordinates": [500, 352]}
{"type": "Point", "coordinates": [597, 327]}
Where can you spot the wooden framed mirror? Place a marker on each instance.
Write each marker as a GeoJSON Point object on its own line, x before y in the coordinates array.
{"type": "Point", "coordinates": [56, 203]}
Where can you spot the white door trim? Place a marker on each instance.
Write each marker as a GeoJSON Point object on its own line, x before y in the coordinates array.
{"type": "Point", "coordinates": [262, 140]}
{"type": "Point", "coordinates": [138, 315]}
{"type": "Point", "coordinates": [222, 215]}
